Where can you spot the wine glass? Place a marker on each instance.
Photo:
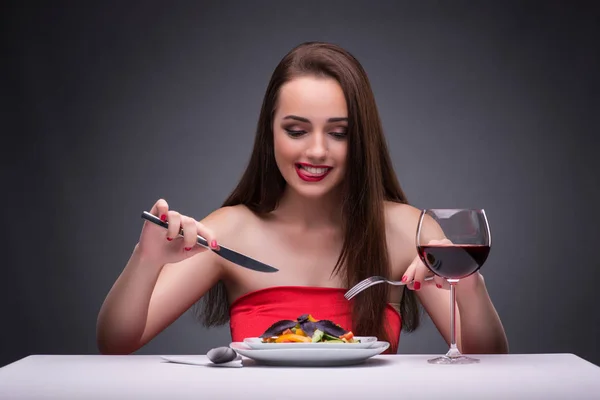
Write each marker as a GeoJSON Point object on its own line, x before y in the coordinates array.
{"type": "Point", "coordinates": [453, 244]}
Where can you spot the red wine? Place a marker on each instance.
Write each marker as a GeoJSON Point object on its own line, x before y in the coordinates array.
{"type": "Point", "coordinates": [455, 261]}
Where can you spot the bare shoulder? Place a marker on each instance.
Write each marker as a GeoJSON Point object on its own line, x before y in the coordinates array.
{"type": "Point", "coordinates": [226, 216]}
{"type": "Point", "coordinates": [237, 227]}
{"type": "Point", "coordinates": [401, 219]}
{"type": "Point", "coordinates": [229, 221]}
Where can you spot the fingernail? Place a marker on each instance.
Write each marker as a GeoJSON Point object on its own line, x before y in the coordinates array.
{"type": "Point", "coordinates": [417, 285]}
{"type": "Point", "coordinates": [404, 278]}
{"type": "Point", "coordinates": [213, 244]}
{"type": "Point", "coordinates": [169, 239]}
{"type": "Point", "coordinates": [438, 285]}
{"type": "Point", "coordinates": [163, 218]}
{"type": "Point", "coordinates": [187, 248]}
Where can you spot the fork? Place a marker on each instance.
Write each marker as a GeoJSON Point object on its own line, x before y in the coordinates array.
{"type": "Point", "coordinates": [373, 280]}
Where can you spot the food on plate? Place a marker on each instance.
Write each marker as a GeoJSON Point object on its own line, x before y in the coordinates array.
{"type": "Point", "coordinates": [307, 329]}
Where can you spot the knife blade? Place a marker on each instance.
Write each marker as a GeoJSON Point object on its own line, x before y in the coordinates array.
{"type": "Point", "coordinates": [228, 254]}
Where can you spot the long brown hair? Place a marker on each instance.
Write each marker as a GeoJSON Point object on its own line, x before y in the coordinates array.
{"type": "Point", "coordinates": [369, 181]}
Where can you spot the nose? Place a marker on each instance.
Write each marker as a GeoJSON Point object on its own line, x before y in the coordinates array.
{"type": "Point", "coordinates": [317, 147]}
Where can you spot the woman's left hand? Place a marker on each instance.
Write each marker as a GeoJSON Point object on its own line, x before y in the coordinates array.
{"type": "Point", "coordinates": [417, 271]}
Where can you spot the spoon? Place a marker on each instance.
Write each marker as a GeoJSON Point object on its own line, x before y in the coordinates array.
{"type": "Point", "coordinates": [221, 355]}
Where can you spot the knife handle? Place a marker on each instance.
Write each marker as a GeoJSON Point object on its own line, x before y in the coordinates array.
{"type": "Point", "coordinates": [155, 220]}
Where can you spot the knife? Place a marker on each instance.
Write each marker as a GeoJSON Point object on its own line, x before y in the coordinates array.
{"type": "Point", "coordinates": [228, 254]}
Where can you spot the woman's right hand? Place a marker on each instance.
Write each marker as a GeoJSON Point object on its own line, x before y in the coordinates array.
{"type": "Point", "coordinates": [160, 246]}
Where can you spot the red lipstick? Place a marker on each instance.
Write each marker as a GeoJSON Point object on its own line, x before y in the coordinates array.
{"type": "Point", "coordinates": [304, 172]}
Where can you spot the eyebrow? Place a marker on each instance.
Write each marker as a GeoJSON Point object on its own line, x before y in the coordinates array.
{"type": "Point", "coordinates": [302, 119]}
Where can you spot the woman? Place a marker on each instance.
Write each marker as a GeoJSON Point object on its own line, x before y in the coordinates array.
{"type": "Point", "coordinates": [320, 201]}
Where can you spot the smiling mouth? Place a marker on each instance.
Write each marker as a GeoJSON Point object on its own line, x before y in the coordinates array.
{"type": "Point", "coordinates": [316, 171]}
{"type": "Point", "coordinates": [312, 173]}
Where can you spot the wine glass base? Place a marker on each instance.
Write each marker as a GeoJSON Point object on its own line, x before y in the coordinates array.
{"type": "Point", "coordinates": [453, 360]}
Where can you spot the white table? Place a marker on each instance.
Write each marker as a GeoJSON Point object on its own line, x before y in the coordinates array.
{"type": "Point", "coordinates": [515, 376]}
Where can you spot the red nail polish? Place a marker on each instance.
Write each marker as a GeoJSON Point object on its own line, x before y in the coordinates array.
{"type": "Point", "coordinates": [404, 278]}
{"type": "Point", "coordinates": [169, 239]}
{"type": "Point", "coordinates": [417, 285]}
{"type": "Point", "coordinates": [187, 248]}
{"type": "Point", "coordinates": [163, 218]}
{"type": "Point", "coordinates": [213, 244]}
{"type": "Point", "coordinates": [438, 285]}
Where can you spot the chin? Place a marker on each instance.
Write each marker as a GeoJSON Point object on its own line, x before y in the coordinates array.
{"type": "Point", "coordinates": [314, 190]}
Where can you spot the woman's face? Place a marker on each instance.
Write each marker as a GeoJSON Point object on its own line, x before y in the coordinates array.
{"type": "Point", "coordinates": [310, 134]}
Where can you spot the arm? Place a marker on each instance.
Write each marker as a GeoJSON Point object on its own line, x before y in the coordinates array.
{"type": "Point", "coordinates": [479, 329]}
{"type": "Point", "coordinates": [146, 298]}
{"type": "Point", "coordinates": [149, 295]}
{"type": "Point", "coordinates": [478, 326]}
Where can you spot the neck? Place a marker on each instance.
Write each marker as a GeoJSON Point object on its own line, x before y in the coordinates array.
{"type": "Point", "coordinates": [310, 213]}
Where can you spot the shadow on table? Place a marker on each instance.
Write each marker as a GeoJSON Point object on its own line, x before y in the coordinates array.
{"type": "Point", "coordinates": [370, 363]}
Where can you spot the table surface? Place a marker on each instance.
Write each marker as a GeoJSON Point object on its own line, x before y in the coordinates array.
{"type": "Point", "coordinates": [513, 376]}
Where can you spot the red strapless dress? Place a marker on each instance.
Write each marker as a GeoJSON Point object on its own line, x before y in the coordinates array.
{"type": "Point", "coordinates": [251, 314]}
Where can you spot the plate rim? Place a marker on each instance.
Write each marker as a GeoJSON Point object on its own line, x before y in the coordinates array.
{"type": "Point", "coordinates": [376, 345]}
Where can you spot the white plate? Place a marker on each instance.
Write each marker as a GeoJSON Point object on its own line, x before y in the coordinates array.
{"type": "Point", "coordinates": [310, 357]}
{"type": "Point", "coordinates": [365, 343]}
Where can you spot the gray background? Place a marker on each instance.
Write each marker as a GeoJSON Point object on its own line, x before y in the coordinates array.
{"type": "Point", "coordinates": [106, 108]}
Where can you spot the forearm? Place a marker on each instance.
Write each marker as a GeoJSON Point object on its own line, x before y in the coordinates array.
{"type": "Point", "coordinates": [480, 327]}
{"type": "Point", "coordinates": [122, 318]}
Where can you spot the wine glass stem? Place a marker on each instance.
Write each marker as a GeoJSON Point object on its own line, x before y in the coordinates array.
{"type": "Point", "coordinates": [453, 352]}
